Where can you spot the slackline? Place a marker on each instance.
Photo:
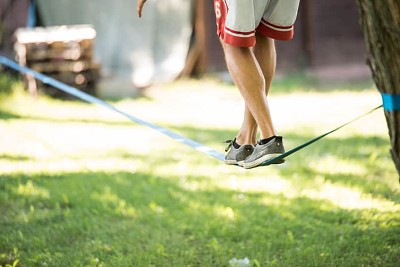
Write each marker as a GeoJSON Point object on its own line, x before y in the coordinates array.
{"type": "Point", "coordinates": [177, 137]}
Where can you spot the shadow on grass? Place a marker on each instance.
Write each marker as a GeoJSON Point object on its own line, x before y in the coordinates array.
{"type": "Point", "coordinates": [9, 157]}
{"type": "Point", "coordinates": [139, 219]}
{"type": "Point", "coordinates": [6, 115]}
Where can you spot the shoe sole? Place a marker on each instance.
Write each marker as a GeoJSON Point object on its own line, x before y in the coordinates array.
{"type": "Point", "coordinates": [261, 160]}
{"type": "Point", "coordinates": [240, 163]}
{"type": "Point", "coordinates": [231, 162]}
{"type": "Point", "coordinates": [234, 162]}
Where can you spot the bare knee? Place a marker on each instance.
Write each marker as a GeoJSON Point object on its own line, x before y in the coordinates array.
{"type": "Point", "coordinates": [235, 55]}
{"type": "Point", "coordinates": [231, 50]}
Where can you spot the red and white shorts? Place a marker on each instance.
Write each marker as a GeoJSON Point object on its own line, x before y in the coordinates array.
{"type": "Point", "coordinates": [239, 20]}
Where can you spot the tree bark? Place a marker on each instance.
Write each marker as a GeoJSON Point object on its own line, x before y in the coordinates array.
{"type": "Point", "coordinates": [380, 21]}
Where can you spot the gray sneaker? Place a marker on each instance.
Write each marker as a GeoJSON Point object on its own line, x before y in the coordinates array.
{"type": "Point", "coordinates": [237, 156]}
{"type": "Point", "coordinates": [265, 152]}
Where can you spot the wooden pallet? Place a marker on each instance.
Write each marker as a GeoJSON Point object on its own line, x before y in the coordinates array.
{"type": "Point", "coordinates": [61, 52]}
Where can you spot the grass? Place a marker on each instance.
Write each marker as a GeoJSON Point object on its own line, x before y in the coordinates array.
{"type": "Point", "coordinates": [7, 83]}
{"type": "Point", "coordinates": [81, 186]}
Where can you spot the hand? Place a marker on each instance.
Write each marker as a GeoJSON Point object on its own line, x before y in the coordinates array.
{"type": "Point", "coordinates": [139, 8]}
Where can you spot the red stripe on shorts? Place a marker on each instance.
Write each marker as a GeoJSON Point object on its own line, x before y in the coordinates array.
{"type": "Point", "coordinates": [276, 32]}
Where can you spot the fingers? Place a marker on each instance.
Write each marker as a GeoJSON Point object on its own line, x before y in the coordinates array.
{"type": "Point", "coordinates": [139, 8]}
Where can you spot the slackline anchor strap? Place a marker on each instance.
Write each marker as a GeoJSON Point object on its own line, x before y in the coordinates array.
{"type": "Point", "coordinates": [391, 102]}
{"type": "Point", "coordinates": [177, 137]}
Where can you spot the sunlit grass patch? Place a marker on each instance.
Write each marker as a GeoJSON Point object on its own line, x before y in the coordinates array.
{"type": "Point", "coordinates": [334, 165]}
{"type": "Point", "coordinates": [347, 198]}
{"type": "Point", "coordinates": [31, 190]}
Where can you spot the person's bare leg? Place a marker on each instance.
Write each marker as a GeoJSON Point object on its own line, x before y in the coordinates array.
{"type": "Point", "coordinates": [248, 132]}
{"type": "Point", "coordinates": [265, 53]}
{"type": "Point", "coordinates": [248, 76]}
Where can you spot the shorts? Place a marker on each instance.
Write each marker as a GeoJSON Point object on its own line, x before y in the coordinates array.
{"type": "Point", "coordinates": [239, 20]}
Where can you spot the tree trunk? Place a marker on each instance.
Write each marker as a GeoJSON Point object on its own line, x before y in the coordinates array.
{"type": "Point", "coordinates": [380, 21]}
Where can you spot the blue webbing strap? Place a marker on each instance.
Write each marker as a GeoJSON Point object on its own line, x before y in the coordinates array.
{"type": "Point", "coordinates": [391, 102]}
{"type": "Point", "coordinates": [211, 152]}
{"type": "Point", "coordinates": [291, 151]}
{"type": "Point", "coordinates": [91, 99]}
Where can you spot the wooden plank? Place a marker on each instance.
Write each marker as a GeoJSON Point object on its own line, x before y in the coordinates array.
{"type": "Point", "coordinates": [60, 66]}
{"type": "Point", "coordinates": [55, 34]}
{"type": "Point", "coordinates": [78, 79]}
{"type": "Point", "coordinates": [66, 54]}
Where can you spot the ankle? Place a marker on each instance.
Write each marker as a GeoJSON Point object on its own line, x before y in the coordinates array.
{"type": "Point", "coordinates": [243, 140]}
{"type": "Point", "coordinates": [235, 144]}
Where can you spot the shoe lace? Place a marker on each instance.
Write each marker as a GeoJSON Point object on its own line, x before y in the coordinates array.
{"type": "Point", "coordinates": [230, 142]}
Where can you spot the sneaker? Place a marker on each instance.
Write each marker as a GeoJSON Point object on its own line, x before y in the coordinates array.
{"type": "Point", "coordinates": [265, 152]}
{"type": "Point", "coordinates": [236, 156]}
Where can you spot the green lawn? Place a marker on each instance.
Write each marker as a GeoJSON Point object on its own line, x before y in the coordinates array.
{"type": "Point", "coordinates": [82, 186]}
